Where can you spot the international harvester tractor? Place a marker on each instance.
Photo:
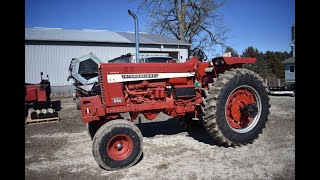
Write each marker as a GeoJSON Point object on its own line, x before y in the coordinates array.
{"type": "Point", "coordinates": [231, 102]}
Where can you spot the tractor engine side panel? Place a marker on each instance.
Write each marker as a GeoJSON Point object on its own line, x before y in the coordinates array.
{"type": "Point", "coordinates": [136, 96]}
{"type": "Point", "coordinates": [147, 93]}
{"type": "Point", "coordinates": [120, 95]}
{"type": "Point", "coordinates": [115, 94]}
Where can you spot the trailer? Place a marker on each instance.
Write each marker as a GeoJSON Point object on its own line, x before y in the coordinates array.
{"type": "Point", "coordinates": [38, 104]}
{"type": "Point", "coordinates": [282, 88]}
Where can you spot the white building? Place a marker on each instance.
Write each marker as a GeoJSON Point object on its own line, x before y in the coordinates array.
{"type": "Point", "coordinates": [50, 50]}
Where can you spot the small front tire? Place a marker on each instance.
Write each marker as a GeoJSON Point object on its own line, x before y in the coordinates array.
{"type": "Point", "coordinates": [117, 145]}
{"type": "Point", "coordinates": [92, 128]}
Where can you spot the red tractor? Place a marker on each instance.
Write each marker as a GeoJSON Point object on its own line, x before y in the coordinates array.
{"type": "Point", "coordinates": [232, 102]}
{"type": "Point", "coordinates": [38, 104]}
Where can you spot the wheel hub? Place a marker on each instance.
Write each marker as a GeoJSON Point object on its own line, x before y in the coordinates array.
{"type": "Point", "coordinates": [241, 108]}
{"type": "Point", "coordinates": [251, 110]}
{"type": "Point", "coordinates": [119, 147]}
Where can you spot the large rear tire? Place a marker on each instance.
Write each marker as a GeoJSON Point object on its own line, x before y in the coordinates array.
{"type": "Point", "coordinates": [236, 108]}
{"type": "Point", "coordinates": [117, 145]}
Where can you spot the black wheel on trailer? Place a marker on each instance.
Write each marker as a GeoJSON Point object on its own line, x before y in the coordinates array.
{"type": "Point", "coordinates": [78, 103]}
{"type": "Point", "coordinates": [294, 93]}
{"type": "Point", "coordinates": [117, 145]}
{"type": "Point", "coordinates": [236, 107]}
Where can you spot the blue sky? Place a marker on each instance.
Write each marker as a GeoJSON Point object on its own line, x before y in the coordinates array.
{"type": "Point", "coordinates": [263, 24]}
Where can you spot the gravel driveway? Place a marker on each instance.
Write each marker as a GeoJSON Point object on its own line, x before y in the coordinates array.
{"type": "Point", "coordinates": [62, 150]}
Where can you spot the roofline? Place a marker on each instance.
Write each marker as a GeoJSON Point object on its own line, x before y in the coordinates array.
{"type": "Point", "coordinates": [290, 62]}
{"type": "Point", "coordinates": [116, 42]}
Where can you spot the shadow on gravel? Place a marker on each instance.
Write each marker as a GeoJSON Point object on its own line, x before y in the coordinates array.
{"type": "Point", "coordinates": [168, 127]}
{"type": "Point", "coordinates": [172, 126]}
{"type": "Point", "coordinates": [200, 134]}
{"type": "Point", "coordinates": [140, 159]}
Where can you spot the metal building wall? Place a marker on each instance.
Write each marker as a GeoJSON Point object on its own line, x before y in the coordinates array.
{"type": "Point", "coordinates": [289, 76]}
{"type": "Point", "coordinates": [53, 58]}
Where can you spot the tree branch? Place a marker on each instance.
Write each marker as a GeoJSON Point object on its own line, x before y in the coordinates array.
{"type": "Point", "coordinates": [188, 20]}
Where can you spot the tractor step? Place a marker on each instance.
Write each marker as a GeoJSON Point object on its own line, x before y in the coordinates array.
{"type": "Point", "coordinates": [38, 121]}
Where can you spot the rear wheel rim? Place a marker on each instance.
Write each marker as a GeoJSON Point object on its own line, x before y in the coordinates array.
{"type": "Point", "coordinates": [239, 98]}
{"type": "Point", "coordinates": [119, 147]}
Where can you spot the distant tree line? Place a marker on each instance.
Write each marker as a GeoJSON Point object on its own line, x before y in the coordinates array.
{"type": "Point", "coordinates": [268, 65]}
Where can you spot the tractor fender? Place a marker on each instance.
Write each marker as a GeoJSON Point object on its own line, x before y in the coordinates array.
{"type": "Point", "coordinates": [234, 60]}
{"type": "Point", "coordinates": [239, 60]}
{"type": "Point", "coordinates": [220, 61]}
{"type": "Point", "coordinates": [91, 108]}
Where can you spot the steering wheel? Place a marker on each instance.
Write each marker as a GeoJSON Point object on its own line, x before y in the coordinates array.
{"type": "Point", "coordinates": [199, 53]}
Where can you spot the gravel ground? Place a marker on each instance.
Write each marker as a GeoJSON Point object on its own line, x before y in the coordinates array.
{"type": "Point", "coordinates": [62, 150]}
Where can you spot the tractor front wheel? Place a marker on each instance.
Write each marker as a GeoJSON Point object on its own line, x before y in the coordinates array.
{"type": "Point", "coordinates": [117, 145]}
{"type": "Point", "coordinates": [92, 128]}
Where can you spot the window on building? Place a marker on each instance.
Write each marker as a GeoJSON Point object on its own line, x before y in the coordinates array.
{"type": "Point", "coordinates": [291, 69]}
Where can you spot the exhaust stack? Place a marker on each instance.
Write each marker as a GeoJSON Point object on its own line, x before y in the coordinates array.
{"type": "Point", "coordinates": [137, 36]}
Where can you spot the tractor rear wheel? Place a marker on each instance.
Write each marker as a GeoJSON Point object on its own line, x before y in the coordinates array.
{"type": "Point", "coordinates": [236, 108]}
{"type": "Point", "coordinates": [117, 145]}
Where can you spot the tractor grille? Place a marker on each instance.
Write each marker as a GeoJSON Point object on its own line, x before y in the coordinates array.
{"type": "Point", "coordinates": [102, 87]}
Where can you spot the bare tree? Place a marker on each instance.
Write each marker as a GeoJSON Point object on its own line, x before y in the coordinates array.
{"type": "Point", "coordinates": [194, 21]}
